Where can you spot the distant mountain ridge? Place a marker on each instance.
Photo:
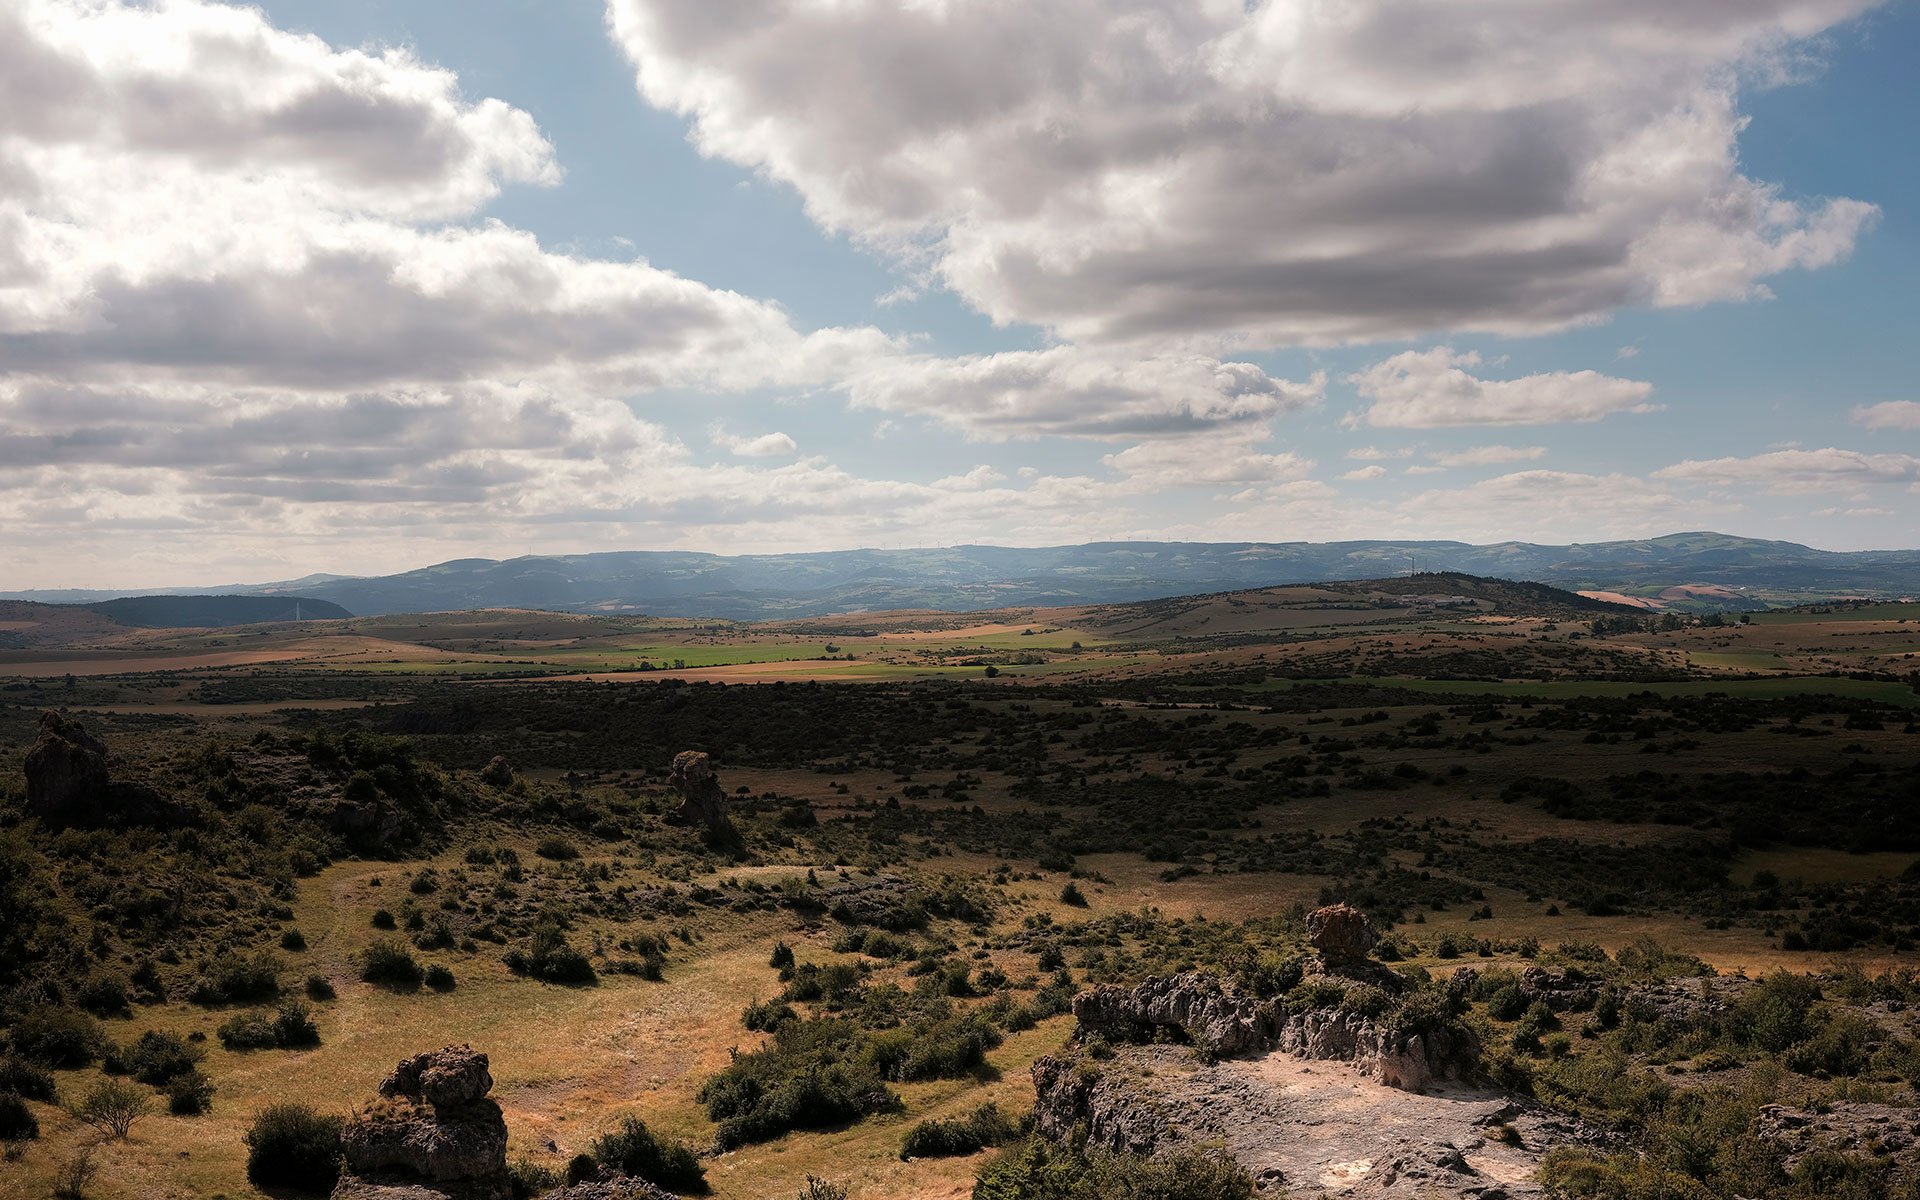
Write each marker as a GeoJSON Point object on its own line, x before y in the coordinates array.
{"type": "Point", "coordinates": [962, 578]}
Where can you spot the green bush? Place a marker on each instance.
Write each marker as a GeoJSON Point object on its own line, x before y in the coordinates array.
{"type": "Point", "coordinates": [104, 993]}
{"type": "Point", "coordinates": [188, 1095]}
{"type": "Point", "coordinates": [22, 1078]}
{"type": "Point", "coordinates": [439, 978]}
{"type": "Point", "coordinates": [550, 957]}
{"type": "Point", "coordinates": [288, 1028]}
{"type": "Point", "coordinates": [319, 987]}
{"type": "Point", "coordinates": [635, 1150]}
{"type": "Point", "coordinates": [17, 1122]}
{"type": "Point", "coordinates": [1041, 1170]}
{"type": "Point", "coordinates": [156, 1058]}
{"type": "Point", "coordinates": [59, 1037]}
{"type": "Point", "coordinates": [389, 964]}
{"type": "Point", "coordinates": [557, 848]}
{"type": "Point", "coordinates": [768, 1016]}
{"type": "Point", "coordinates": [290, 1145]}
{"type": "Point", "coordinates": [1585, 1175]}
{"type": "Point", "coordinates": [230, 978]}
{"type": "Point", "coordinates": [984, 1126]}
{"type": "Point", "coordinates": [812, 1076]}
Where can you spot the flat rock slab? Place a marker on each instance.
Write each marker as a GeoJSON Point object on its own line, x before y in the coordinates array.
{"type": "Point", "coordinates": [1314, 1127]}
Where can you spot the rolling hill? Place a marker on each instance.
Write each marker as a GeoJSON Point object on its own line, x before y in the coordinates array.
{"type": "Point", "coordinates": [965, 578]}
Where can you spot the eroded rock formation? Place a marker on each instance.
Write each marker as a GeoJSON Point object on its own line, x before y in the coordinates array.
{"type": "Point", "coordinates": [70, 781]}
{"type": "Point", "coordinates": [433, 1134]}
{"type": "Point", "coordinates": [702, 802]}
{"type": "Point", "coordinates": [1341, 933]}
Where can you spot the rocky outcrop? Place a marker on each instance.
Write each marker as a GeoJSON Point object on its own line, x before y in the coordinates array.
{"type": "Point", "coordinates": [624, 1188]}
{"type": "Point", "coordinates": [1202, 1010]}
{"type": "Point", "coordinates": [498, 772]}
{"type": "Point", "coordinates": [70, 781]}
{"type": "Point", "coordinates": [702, 801]}
{"type": "Point", "coordinates": [1559, 988]}
{"type": "Point", "coordinates": [1312, 1128]}
{"type": "Point", "coordinates": [1194, 1004]}
{"type": "Point", "coordinates": [1851, 1128]}
{"type": "Point", "coordinates": [433, 1134]}
{"type": "Point", "coordinates": [1341, 933]}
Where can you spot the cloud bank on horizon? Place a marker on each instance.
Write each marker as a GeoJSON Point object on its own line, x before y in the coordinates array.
{"type": "Point", "coordinates": [260, 313]}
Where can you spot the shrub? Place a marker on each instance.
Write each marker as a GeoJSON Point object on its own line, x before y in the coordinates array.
{"type": "Point", "coordinates": [75, 1175]}
{"type": "Point", "coordinates": [813, 1075]}
{"type": "Point", "coordinates": [1071, 894]}
{"type": "Point", "coordinates": [768, 1016]}
{"type": "Point", "coordinates": [112, 1107]}
{"type": "Point", "coordinates": [290, 1145]}
{"type": "Point", "coordinates": [635, 1150]}
{"type": "Point", "coordinates": [59, 1037]}
{"type": "Point", "coordinates": [816, 1188]}
{"type": "Point", "coordinates": [382, 919]}
{"type": "Point", "coordinates": [319, 987]}
{"type": "Point", "coordinates": [293, 940]}
{"type": "Point", "coordinates": [22, 1078]}
{"type": "Point", "coordinates": [984, 1126]}
{"type": "Point", "coordinates": [230, 978]}
{"type": "Point", "coordinates": [557, 848]}
{"type": "Point", "coordinates": [528, 1179]}
{"type": "Point", "coordinates": [157, 1058]}
{"type": "Point", "coordinates": [782, 955]}
{"type": "Point", "coordinates": [189, 1095]}
{"type": "Point", "coordinates": [104, 993]}
{"type": "Point", "coordinates": [439, 978]}
{"type": "Point", "coordinates": [387, 963]}
{"type": "Point", "coordinates": [1040, 1170]}
{"type": "Point", "coordinates": [292, 1026]}
{"type": "Point", "coordinates": [550, 957]}
{"type": "Point", "coordinates": [17, 1122]}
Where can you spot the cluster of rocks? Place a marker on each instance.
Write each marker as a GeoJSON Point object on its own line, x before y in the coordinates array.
{"type": "Point", "coordinates": [1205, 1011]}
{"type": "Point", "coordinates": [1853, 1128]}
{"type": "Point", "coordinates": [70, 781]}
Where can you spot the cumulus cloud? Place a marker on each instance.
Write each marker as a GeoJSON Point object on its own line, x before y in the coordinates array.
{"type": "Point", "coordinates": [190, 194]}
{"type": "Point", "coordinates": [766, 445]}
{"type": "Point", "coordinates": [1486, 456]}
{"type": "Point", "coordinates": [1069, 391]}
{"type": "Point", "coordinates": [1119, 170]}
{"type": "Point", "coordinates": [1799, 471]}
{"type": "Point", "coordinates": [1362, 474]}
{"type": "Point", "coordinates": [1421, 389]}
{"type": "Point", "coordinates": [1207, 461]}
{"type": "Point", "coordinates": [1902, 415]}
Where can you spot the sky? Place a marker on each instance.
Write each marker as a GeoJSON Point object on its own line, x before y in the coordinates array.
{"type": "Point", "coordinates": [356, 286]}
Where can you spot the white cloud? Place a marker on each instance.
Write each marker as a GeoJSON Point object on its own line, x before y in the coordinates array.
{"type": "Point", "coordinates": [1361, 474]}
{"type": "Point", "coordinates": [766, 445]}
{"type": "Point", "coordinates": [1794, 472]}
{"type": "Point", "coordinates": [1421, 389]}
{"type": "Point", "coordinates": [188, 194]}
{"type": "Point", "coordinates": [1376, 454]}
{"type": "Point", "coordinates": [1903, 415]}
{"type": "Point", "coordinates": [1375, 169]}
{"type": "Point", "coordinates": [1068, 391]}
{"type": "Point", "coordinates": [1206, 461]}
{"type": "Point", "coordinates": [1486, 456]}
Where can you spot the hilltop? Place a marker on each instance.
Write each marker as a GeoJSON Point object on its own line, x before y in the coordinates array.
{"type": "Point", "coordinates": [26, 623]}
